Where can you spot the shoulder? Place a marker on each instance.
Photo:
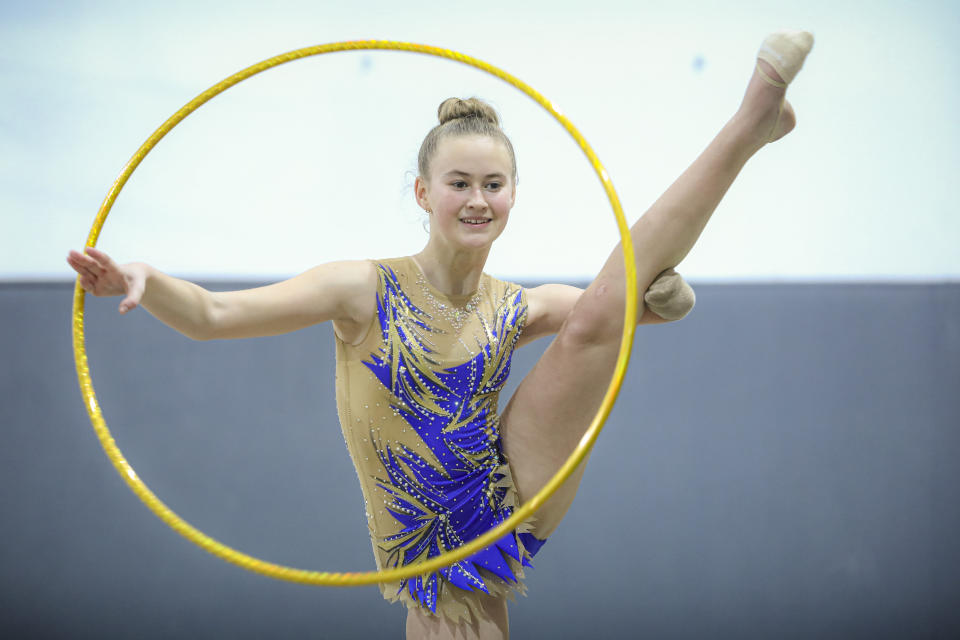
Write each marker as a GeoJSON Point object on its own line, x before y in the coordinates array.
{"type": "Point", "coordinates": [353, 285]}
{"type": "Point", "coordinates": [498, 287]}
{"type": "Point", "coordinates": [344, 279]}
{"type": "Point", "coordinates": [399, 271]}
{"type": "Point", "coordinates": [506, 297]}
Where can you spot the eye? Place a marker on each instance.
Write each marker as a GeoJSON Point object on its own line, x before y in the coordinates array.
{"type": "Point", "coordinates": [494, 186]}
{"type": "Point", "coordinates": [459, 184]}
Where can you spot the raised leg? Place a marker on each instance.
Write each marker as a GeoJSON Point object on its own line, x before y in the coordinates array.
{"type": "Point", "coordinates": [554, 404]}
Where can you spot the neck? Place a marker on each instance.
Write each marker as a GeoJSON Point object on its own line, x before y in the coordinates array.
{"type": "Point", "coordinates": [454, 272]}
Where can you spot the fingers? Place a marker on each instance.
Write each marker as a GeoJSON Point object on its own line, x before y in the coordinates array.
{"type": "Point", "coordinates": [83, 264]}
{"type": "Point", "coordinates": [86, 271]}
{"type": "Point", "coordinates": [98, 273]}
{"type": "Point", "coordinates": [99, 258]}
{"type": "Point", "coordinates": [87, 284]}
{"type": "Point", "coordinates": [101, 276]}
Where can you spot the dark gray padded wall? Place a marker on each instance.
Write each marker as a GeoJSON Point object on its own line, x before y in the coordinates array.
{"type": "Point", "coordinates": [783, 463]}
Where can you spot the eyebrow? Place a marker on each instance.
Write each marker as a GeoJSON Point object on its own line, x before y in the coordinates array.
{"type": "Point", "coordinates": [457, 172]}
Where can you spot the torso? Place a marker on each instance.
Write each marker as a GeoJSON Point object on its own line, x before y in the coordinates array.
{"type": "Point", "coordinates": [417, 399]}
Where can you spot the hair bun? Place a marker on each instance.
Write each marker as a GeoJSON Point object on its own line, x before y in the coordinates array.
{"type": "Point", "coordinates": [454, 108]}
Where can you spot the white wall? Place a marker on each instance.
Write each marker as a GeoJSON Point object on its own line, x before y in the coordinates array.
{"type": "Point", "coordinates": [312, 161]}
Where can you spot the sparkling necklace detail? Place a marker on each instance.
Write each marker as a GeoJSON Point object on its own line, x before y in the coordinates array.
{"type": "Point", "coordinates": [455, 315]}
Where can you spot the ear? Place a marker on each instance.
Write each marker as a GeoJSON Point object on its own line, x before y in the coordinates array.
{"type": "Point", "coordinates": [513, 195]}
{"type": "Point", "coordinates": [420, 193]}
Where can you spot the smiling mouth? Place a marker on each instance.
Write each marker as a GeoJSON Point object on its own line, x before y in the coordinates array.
{"type": "Point", "coordinates": [475, 221]}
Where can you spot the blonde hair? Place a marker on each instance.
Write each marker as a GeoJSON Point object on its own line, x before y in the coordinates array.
{"type": "Point", "coordinates": [470, 117]}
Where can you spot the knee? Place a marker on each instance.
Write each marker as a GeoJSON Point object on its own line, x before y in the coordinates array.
{"type": "Point", "coordinates": [596, 319]}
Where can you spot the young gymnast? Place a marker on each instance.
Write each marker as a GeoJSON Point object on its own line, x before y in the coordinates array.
{"type": "Point", "coordinates": [424, 345]}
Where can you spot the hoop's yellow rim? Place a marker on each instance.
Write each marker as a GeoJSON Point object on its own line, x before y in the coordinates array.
{"type": "Point", "coordinates": [326, 578]}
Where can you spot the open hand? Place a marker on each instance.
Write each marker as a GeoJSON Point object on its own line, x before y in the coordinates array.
{"type": "Point", "coordinates": [101, 276]}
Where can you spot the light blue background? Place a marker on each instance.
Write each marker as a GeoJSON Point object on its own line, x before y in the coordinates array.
{"type": "Point", "coordinates": [313, 161]}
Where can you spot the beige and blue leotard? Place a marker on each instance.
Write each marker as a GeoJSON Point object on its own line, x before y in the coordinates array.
{"type": "Point", "coordinates": [417, 400]}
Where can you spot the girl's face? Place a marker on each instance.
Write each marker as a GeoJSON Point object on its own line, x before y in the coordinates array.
{"type": "Point", "coordinates": [469, 192]}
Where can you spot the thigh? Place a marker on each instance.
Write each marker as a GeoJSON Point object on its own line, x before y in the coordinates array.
{"type": "Point", "coordinates": [548, 415]}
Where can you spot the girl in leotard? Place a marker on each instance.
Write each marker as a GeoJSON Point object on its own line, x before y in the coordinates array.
{"type": "Point", "coordinates": [424, 345]}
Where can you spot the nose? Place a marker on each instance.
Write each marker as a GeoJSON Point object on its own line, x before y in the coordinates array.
{"type": "Point", "coordinates": [477, 201]}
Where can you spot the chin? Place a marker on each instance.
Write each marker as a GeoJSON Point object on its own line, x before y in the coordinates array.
{"type": "Point", "coordinates": [479, 240]}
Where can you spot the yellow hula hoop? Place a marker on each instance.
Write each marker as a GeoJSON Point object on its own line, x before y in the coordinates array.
{"type": "Point", "coordinates": [387, 575]}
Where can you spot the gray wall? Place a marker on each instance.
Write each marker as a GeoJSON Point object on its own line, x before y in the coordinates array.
{"type": "Point", "coordinates": [783, 463]}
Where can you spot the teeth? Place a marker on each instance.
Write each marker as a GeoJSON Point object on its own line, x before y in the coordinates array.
{"type": "Point", "coordinates": [476, 220]}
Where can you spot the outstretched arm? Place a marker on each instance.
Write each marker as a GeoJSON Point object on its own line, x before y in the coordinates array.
{"type": "Point", "coordinates": [338, 291]}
